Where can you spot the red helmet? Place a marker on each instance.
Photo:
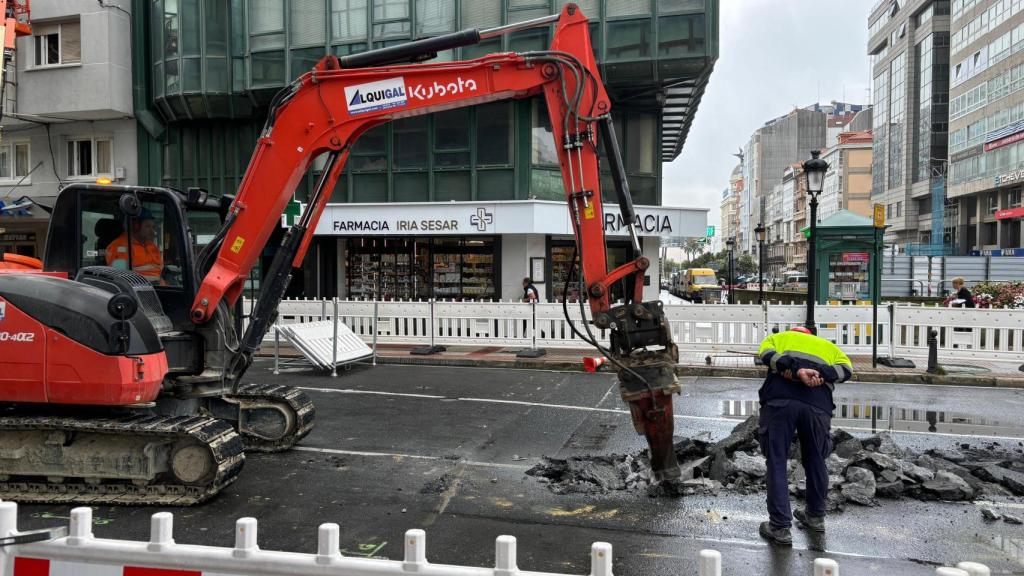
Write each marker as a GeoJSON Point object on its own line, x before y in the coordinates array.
{"type": "Point", "coordinates": [803, 329]}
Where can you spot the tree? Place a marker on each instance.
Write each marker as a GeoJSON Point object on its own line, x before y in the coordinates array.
{"type": "Point", "coordinates": [746, 265]}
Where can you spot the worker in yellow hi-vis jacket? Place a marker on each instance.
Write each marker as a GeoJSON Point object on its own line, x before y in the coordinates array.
{"type": "Point", "coordinates": [796, 397]}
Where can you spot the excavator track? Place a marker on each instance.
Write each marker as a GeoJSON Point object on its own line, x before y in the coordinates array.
{"type": "Point", "coordinates": [302, 414]}
{"type": "Point", "coordinates": [207, 448]}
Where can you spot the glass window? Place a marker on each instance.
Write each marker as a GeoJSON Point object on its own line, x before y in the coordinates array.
{"type": "Point", "coordinates": [1013, 198]}
{"type": "Point", "coordinates": [268, 69]}
{"type": "Point", "coordinates": [628, 39]}
{"type": "Point", "coordinates": [665, 6]}
{"type": "Point", "coordinates": [494, 133]}
{"type": "Point", "coordinates": [265, 16]}
{"type": "Point", "coordinates": [627, 7]}
{"type": "Point", "coordinates": [14, 162]}
{"type": "Point", "coordinates": [190, 28]}
{"type": "Point", "coordinates": [412, 187]}
{"type": "Point", "coordinates": [303, 60]}
{"type": "Point", "coordinates": [369, 151]}
{"type": "Point", "coordinates": [543, 142]}
{"type": "Point", "coordinates": [5, 162]}
{"type": "Point", "coordinates": [56, 44]}
{"type": "Point", "coordinates": [452, 186]}
{"type": "Point", "coordinates": [527, 3]}
{"type": "Point", "coordinates": [390, 9]}
{"type": "Point", "coordinates": [681, 35]}
{"type": "Point", "coordinates": [410, 142]}
{"type": "Point", "coordinates": [434, 17]}
{"type": "Point", "coordinates": [641, 140]}
{"type": "Point", "coordinates": [104, 156]}
{"type": "Point", "coordinates": [307, 22]}
{"type": "Point", "coordinates": [993, 202]}
{"type": "Point", "coordinates": [482, 49]}
{"type": "Point", "coordinates": [396, 28]}
{"type": "Point", "coordinates": [529, 40]}
{"type": "Point", "coordinates": [495, 185]}
{"type": "Point", "coordinates": [89, 157]}
{"type": "Point", "coordinates": [348, 20]}
{"type": "Point", "coordinates": [481, 13]}
{"type": "Point", "coordinates": [451, 138]}
{"type": "Point", "coordinates": [216, 28]}
{"type": "Point", "coordinates": [21, 162]}
{"type": "Point", "coordinates": [370, 187]}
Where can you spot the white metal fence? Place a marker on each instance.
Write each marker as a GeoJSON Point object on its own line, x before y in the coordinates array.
{"type": "Point", "coordinates": [963, 334]}
{"type": "Point", "coordinates": [76, 552]}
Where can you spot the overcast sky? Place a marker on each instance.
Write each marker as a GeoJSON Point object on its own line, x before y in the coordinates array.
{"type": "Point", "coordinates": [773, 55]}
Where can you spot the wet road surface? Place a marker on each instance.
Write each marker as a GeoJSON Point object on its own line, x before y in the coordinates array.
{"type": "Point", "coordinates": [445, 449]}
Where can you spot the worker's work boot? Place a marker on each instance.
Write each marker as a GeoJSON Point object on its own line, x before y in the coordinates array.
{"type": "Point", "coordinates": [812, 523]}
{"type": "Point", "coordinates": [777, 536]}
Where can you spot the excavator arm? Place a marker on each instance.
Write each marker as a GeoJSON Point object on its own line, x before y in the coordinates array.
{"type": "Point", "coordinates": [326, 110]}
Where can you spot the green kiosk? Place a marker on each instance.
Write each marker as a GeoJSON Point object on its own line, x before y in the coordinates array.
{"type": "Point", "coordinates": [849, 259]}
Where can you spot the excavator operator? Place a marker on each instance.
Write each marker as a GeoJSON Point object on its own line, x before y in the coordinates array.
{"type": "Point", "coordinates": [146, 256]}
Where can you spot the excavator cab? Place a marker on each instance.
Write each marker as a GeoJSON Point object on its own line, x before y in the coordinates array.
{"type": "Point", "coordinates": [97, 231]}
{"type": "Point", "coordinates": [90, 227]}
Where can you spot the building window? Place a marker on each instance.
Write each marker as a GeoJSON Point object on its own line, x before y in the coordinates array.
{"type": "Point", "coordinates": [57, 44]}
{"type": "Point", "coordinates": [1013, 198]}
{"type": "Point", "coordinates": [993, 202]}
{"type": "Point", "coordinates": [14, 161]}
{"type": "Point", "coordinates": [348, 20]}
{"type": "Point", "coordinates": [899, 209]}
{"type": "Point", "coordinates": [90, 157]}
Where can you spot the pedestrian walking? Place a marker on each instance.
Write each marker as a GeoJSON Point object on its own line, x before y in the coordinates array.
{"type": "Point", "coordinates": [796, 397]}
{"type": "Point", "coordinates": [962, 293]}
{"type": "Point", "coordinates": [530, 293]}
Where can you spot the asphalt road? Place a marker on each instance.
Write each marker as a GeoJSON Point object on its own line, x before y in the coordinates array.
{"type": "Point", "coordinates": [445, 449]}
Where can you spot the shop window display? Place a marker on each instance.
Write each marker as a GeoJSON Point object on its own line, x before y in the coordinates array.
{"type": "Point", "coordinates": [452, 268]}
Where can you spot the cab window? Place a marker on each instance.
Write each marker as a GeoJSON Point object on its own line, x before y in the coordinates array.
{"type": "Point", "coordinates": [141, 243]}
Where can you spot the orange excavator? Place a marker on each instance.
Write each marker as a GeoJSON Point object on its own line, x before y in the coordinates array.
{"type": "Point", "coordinates": [125, 387]}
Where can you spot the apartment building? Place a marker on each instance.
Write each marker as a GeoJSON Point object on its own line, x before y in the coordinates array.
{"type": "Point", "coordinates": [986, 127]}
{"type": "Point", "coordinates": [67, 112]}
{"type": "Point", "coordinates": [908, 43]}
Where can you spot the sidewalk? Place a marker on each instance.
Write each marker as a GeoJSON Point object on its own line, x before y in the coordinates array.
{"type": "Point", "coordinates": [982, 373]}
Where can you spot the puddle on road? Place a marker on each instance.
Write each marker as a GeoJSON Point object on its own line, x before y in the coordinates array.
{"type": "Point", "coordinates": [880, 417]}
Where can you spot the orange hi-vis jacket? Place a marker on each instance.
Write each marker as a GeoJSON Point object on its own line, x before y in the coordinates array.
{"type": "Point", "coordinates": [146, 258]}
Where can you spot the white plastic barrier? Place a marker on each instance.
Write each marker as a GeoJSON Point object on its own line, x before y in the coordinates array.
{"type": "Point", "coordinates": [82, 554]}
{"type": "Point", "coordinates": [902, 330]}
{"type": "Point", "coordinates": [325, 343]}
{"type": "Point", "coordinates": [79, 553]}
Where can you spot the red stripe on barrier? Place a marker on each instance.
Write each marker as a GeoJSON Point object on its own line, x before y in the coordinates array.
{"type": "Point", "coordinates": [31, 567]}
{"type": "Point", "coordinates": [136, 571]}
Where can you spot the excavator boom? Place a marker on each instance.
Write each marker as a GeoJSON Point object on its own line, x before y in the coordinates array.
{"type": "Point", "coordinates": [326, 110]}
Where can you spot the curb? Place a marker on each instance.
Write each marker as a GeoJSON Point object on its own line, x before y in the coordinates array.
{"type": "Point", "coordinates": [717, 371]}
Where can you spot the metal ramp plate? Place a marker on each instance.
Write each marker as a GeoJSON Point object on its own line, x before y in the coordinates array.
{"type": "Point", "coordinates": [314, 340]}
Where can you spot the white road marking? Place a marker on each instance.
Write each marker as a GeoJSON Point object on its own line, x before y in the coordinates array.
{"type": "Point", "coordinates": [626, 412]}
{"type": "Point", "coordinates": [1014, 505]}
{"type": "Point", "coordinates": [410, 456]}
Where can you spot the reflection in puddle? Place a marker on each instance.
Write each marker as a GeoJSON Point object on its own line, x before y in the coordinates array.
{"type": "Point", "coordinates": [878, 417]}
{"type": "Point", "coordinates": [1012, 547]}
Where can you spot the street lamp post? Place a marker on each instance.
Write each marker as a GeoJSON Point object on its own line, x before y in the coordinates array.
{"type": "Point", "coordinates": [760, 231]}
{"type": "Point", "coordinates": [814, 170]}
{"type": "Point", "coordinates": [731, 242]}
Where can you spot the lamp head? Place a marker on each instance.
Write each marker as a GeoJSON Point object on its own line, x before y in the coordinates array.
{"type": "Point", "coordinates": [814, 170]}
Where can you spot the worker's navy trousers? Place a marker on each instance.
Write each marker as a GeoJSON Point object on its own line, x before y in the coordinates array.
{"type": "Point", "coordinates": [779, 420]}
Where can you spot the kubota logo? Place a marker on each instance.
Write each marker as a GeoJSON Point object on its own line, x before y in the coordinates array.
{"type": "Point", "coordinates": [458, 86]}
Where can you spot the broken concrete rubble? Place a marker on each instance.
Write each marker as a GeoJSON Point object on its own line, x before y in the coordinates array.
{"type": "Point", "coordinates": [875, 467]}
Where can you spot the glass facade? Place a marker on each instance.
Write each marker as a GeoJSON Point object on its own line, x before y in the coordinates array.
{"type": "Point", "coordinates": [897, 118]}
{"type": "Point", "coordinates": [215, 64]}
{"type": "Point", "coordinates": [931, 139]}
{"type": "Point", "coordinates": [880, 121]}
